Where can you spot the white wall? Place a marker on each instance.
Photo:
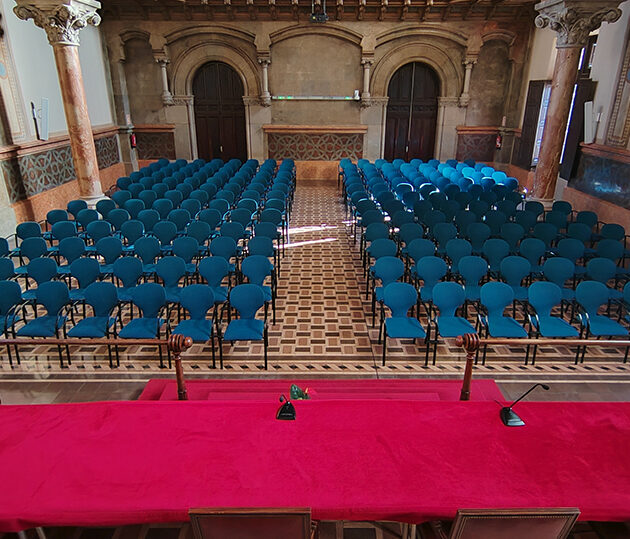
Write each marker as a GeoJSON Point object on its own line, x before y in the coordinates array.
{"type": "Point", "coordinates": [607, 64]}
{"type": "Point", "coordinates": [37, 75]}
{"type": "Point", "coordinates": [542, 59]}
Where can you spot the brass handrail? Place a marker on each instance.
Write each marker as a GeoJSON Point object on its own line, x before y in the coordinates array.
{"type": "Point", "coordinates": [471, 343]}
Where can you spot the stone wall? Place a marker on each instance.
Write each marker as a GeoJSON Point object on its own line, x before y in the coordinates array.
{"type": "Point", "coordinates": [304, 59]}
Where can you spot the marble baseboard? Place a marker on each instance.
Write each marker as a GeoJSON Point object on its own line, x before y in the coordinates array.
{"type": "Point", "coordinates": [35, 208]}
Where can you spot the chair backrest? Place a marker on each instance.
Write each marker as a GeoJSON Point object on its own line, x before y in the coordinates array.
{"type": "Point", "coordinates": [247, 299]}
{"type": "Point", "coordinates": [97, 230]}
{"type": "Point", "coordinates": [382, 247]}
{"type": "Point", "coordinates": [546, 232]}
{"type": "Point", "coordinates": [71, 249]}
{"type": "Point", "coordinates": [109, 248]}
{"type": "Point", "coordinates": [233, 230]}
{"type": "Point", "coordinates": [609, 248]}
{"type": "Point", "coordinates": [165, 232]}
{"type": "Point", "coordinates": [456, 249]}
{"type": "Point", "coordinates": [10, 296]}
{"type": "Point", "coordinates": [214, 269]}
{"type": "Point", "coordinates": [117, 217]}
{"type": "Point", "coordinates": [448, 296]}
{"type": "Point", "coordinates": [33, 247]}
{"type": "Point", "coordinates": [132, 230]}
{"type": "Point", "coordinates": [7, 269]}
{"type": "Point", "coordinates": [148, 218]}
{"type": "Point", "coordinates": [570, 248]}
{"type": "Point", "coordinates": [42, 269]}
{"type": "Point", "coordinates": [163, 206]}
{"type": "Point", "coordinates": [271, 216]}
{"type": "Point", "coordinates": [223, 246]}
{"type": "Point", "coordinates": [86, 216]}
{"type": "Point", "coordinates": [558, 270]}
{"type": "Point", "coordinates": [601, 269]}
{"type": "Point", "coordinates": [53, 295]}
{"type": "Point", "coordinates": [477, 234]}
{"type": "Point", "coordinates": [613, 231]}
{"type": "Point", "coordinates": [543, 523]}
{"type": "Point", "coordinates": [149, 298]}
{"type": "Point", "coordinates": [388, 269]}
{"type": "Point", "coordinates": [28, 229]}
{"type": "Point", "coordinates": [543, 296]}
{"type": "Point", "coordinates": [85, 271]}
{"type": "Point", "coordinates": [472, 269]}
{"type": "Point", "coordinates": [399, 297]}
{"type": "Point", "coordinates": [199, 230]}
{"type": "Point", "coordinates": [495, 297]}
{"type": "Point", "coordinates": [514, 269]}
{"type": "Point", "coordinates": [260, 245]}
{"type": "Point", "coordinates": [129, 269]}
{"type": "Point", "coordinates": [256, 268]}
{"type": "Point", "coordinates": [102, 297]}
{"type": "Point", "coordinates": [197, 299]}
{"type": "Point", "coordinates": [75, 206]}
{"type": "Point", "coordinates": [533, 249]}
{"type": "Point", "coordinates": [591, 295]}
{"type": "Point", "coordinates": [134, 206]}
{"type": "Point", "coordinates": [170, 269]}
{"type": "Point", "coordinates": [256, 522]}
{"type": "Point", "coordinates": [431, 269]}
{"type": "Point", "coordinates": [186, 248]}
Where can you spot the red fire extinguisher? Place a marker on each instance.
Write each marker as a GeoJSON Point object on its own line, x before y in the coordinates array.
{"type": "Point", "coordinates": [498, 142]}
{"type": "Point", "coordinates": [132, 140]}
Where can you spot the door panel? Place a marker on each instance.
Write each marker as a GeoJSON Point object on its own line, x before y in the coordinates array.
{"type": "Point", "coordinates": [219, 112]}
{"type": "Point", "coordinates": [411, 113]}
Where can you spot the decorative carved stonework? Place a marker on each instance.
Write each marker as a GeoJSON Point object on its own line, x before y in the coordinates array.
{"type": "Point", "coordinates": [62, 21]}
{"type": "Point", "coordinates": [182, 100]}
{"type": "Point", "coordinates": [573, 21]}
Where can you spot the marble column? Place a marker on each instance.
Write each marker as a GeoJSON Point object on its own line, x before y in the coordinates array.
{"type": "Point", "coordinates": [367, 64]}
{"type": "Point", "coordinates": [265, 96]}
{"type": "Point", "coordinates": [167, 97]}
{"type": "Point", "coordinates": [464, 99]}
{"type": "Point", "coordinates": [62, 20]}
{"type": "Point", "coordinates": [573, 20]}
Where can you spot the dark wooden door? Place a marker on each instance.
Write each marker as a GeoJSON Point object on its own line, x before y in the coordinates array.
{"type": "Point", "coordinates": [411, 113]}
{"type": "Point", "coordinates": [219, 112]}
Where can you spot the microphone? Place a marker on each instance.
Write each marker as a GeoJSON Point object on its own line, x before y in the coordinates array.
{"type": "Point", "coordinates": [286, 410]}
{"type": "Point", "coordinates": [509, 417]}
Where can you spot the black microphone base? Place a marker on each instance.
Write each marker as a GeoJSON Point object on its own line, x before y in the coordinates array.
{"type": "Point", "coordinates": [510, 418]}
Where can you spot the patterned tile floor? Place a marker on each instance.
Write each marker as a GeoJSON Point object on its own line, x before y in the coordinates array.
{"type": "Point", "coordinates": [323, 325]}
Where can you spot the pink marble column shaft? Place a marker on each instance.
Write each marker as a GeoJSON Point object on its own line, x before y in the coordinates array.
{"type": "Point", "coordinates": [564, 77]}
{"type": "Point", "coordinates": [78, 120]}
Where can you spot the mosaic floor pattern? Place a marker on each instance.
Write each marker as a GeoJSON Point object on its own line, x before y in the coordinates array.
{"type": "Point", "coordinates": [323, 324]}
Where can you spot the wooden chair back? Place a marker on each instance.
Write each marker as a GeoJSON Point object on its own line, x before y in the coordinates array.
{"type": "Point", "coordinates": [251, 523]}
{"type": "Point", "coordinates": [541, 523]}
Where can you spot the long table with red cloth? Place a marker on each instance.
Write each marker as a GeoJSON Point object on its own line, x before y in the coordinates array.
{"type": "Point", "coordinates": [115, 463]}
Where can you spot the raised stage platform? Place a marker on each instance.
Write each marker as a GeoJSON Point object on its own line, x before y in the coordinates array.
{"type": "Point", "coordinates": [115, 463]}
{"type": "Point", "coordinates": [320, 389]}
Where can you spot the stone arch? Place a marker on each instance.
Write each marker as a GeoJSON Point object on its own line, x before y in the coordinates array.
{"type": "Point", "coordinates": [427, 29]}
{"type": "Point", "coordinates": [329, 30]}
{"type": "Point", "coordinates": [213, 50]}
{"type": "Point", "coordinates": [449, 73]}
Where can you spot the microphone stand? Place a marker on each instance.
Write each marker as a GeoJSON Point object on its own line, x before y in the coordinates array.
{"type": "Point", "coordinates": [511, 418]}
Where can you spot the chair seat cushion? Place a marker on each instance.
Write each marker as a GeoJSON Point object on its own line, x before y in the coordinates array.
{"type": "Point", "coordinates": [148, 268]}
{"type": "Point", "coordinates": [197, 330]}
{"type": "Point", "coordinates": [29, 295]}
{"type": "Point", "coordinates": [141, 328]}
{"type": "Point", "coordinates": [77, 294]}
{"type": "Point", "coordinates": [92, 327]}
{"type": "Point", "coordinates": [399, 327]}
{"type": "Point", "coordinates": [107, 269]}
{"type": "Point", "coordinates": [605, 327]}
{"type": "Point", "coordinates": [43, 326]}
{"type": "Point", "coordinates": [426, 293]}
{"type": "Point", "coordinates": [568, 294]}
{"type": "Point", "coordinates": [505, 326]}
{"type": "Point", "coordinates": [453, 326]}
{"type": "Point", "coordinates": [124, 294]}
{"type": "Point", "coordinates": [614, 293]}
{"type": "Point", "coordinates": [244, 329]}
{"type": "Point", "coordinates": [551, 326]}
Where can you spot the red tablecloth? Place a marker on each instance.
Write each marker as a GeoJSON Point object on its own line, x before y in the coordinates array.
{"type": "Point", "coordinates": [136, 462]}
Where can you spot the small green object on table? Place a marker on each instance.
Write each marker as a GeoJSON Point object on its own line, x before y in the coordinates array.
{"type": "Point", "coordinates": [297, 393]}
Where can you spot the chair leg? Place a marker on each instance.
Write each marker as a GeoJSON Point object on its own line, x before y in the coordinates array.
{"type": "Point", "coordinates": [161, 360]}
{"type": "Point", "coordinates": [265, 343]}
{"type": "Point", "coordinates": [214, 359]}
{"type": "Point", "coordinates": [60, 356]}
{"type": "Point", "coordinates": [109, 354]}
{"type": "Point", "coordinates": [384, 344]}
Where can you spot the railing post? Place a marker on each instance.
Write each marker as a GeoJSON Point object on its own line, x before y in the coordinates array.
{"type": "Point", "coordinates": [470, 342]}
{"type": "Point", "coordinates": [177, 344]}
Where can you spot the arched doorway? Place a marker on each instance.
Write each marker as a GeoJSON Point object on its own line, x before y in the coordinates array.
{"type": "Point", "coordinates": [219, 112]}
{"type": "Point", "coordinates": [411, 113]}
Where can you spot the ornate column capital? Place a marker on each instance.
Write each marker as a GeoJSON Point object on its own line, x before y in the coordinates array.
{"type": "Point", "coordinates": [574, 20]}
{"type": "Point", "coordinates": [367, 62]}
{"type": "Point", "coordinates": [61, 19]}
{"type": "Point", "coordinates": [264, 61]}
